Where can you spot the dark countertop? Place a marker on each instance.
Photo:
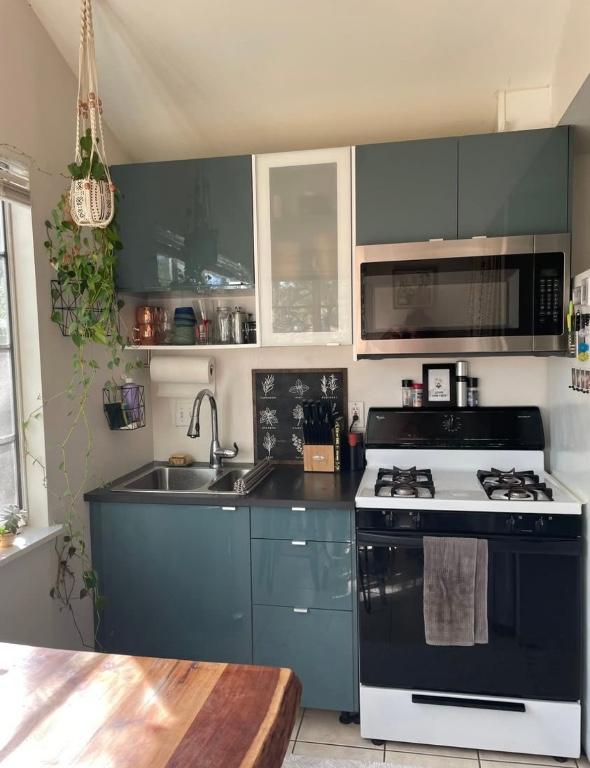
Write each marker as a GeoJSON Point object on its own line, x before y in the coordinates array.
{"type": "Point", "coordinates": [286, 486]}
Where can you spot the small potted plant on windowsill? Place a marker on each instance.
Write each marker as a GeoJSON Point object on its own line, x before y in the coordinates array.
{"type": "Point", "coordinates": [8, 530]}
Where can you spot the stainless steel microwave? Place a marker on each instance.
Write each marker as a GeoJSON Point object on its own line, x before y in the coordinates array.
{"type": "Point", "coordinates": [480, 296]}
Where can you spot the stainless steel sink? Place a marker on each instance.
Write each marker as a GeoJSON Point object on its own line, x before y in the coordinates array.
{"type": "Point", "coordinates": [225, 484]}
{"type": "Point", "coordinates": [185, 480]}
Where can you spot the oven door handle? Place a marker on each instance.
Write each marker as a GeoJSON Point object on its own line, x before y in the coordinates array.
{"type": "Point", "coordinates": [387, 539]}
{"type": "Point", "coordinates": [452, 701]}
{"type": "Point", "coordinates": [514, 544]}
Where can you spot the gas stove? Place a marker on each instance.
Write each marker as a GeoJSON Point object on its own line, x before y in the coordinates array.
{"type": "Point", "coordinates": [476, 460]}
{"type": "Point", "coordinates": [435, 480]}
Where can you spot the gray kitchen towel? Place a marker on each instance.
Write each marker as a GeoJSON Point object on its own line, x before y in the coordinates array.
{"type": "Point", "coordinates": [455, 590]}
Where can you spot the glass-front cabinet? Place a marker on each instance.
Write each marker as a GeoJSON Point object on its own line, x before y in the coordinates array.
{"type": "Point", "coordinates": [303, 204]}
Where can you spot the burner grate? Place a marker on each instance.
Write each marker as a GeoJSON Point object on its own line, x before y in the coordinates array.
{"type": "Point", "coordinates": [506, 477]}
{"type": "Point", "coordinates": [510, 485]}
{"type": "Point", "coordinates": [405, 483]}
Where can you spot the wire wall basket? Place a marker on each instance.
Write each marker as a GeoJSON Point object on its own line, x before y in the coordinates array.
{"type": "Point", "coordinates": [65, 305]}
{"type": "Point", "coordinates": [124, 406]}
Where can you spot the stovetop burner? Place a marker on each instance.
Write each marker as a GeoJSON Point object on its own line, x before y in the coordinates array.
{"type": "Point", "coordinates": [406, 483]}
{"type": "Point", "coordinates": [511, 485]}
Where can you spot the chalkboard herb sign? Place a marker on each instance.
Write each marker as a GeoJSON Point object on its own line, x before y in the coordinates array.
{"type": "Point", "coordinates": [278, 397]}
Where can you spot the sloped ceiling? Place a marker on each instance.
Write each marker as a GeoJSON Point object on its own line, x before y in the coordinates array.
{"type": "Point", "coordinates": [189, 78]}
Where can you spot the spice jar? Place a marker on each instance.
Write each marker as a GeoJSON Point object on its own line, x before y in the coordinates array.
{"type": "Point", "coordinates": [472, 392]}
{"type": "Point", "coordinates": [407, 393]}
{"type": "Point", "coordinates": [417, 390]}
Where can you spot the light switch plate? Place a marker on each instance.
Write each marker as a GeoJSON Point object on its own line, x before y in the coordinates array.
{"type": "Point", "coordinates": [356, 407]}
{"type": "Point", "coordinates": [182, 412]}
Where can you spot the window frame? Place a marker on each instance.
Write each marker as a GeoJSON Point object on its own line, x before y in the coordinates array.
{"type": "Point", "coordinates": [12, 348]}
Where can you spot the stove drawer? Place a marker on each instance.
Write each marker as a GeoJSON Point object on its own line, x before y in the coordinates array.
{"type": "Point", "coordinates": [483, 722]}
{"type": "Point", "coordinates": [302, 523]}
{"type": "Point", "coordinates": [304, 574]}
{"type": "Point", "coordinates": [317, 646]}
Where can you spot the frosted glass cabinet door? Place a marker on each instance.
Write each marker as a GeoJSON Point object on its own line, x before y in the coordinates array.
{"type": "Point", "coordinates": [304, 242]}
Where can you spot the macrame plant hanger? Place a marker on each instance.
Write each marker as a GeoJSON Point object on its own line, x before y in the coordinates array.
{"type": "Point", "coordinates": [92, 201]}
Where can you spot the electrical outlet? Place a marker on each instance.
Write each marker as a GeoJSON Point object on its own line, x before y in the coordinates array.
{"type": "Point", "coordinates": [183, 410]}
{"type": "Point", "coordinates": [356, 408]}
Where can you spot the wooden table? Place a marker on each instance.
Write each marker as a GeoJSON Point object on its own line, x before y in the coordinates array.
{"type": "Point", "coordinates": [72, 708]}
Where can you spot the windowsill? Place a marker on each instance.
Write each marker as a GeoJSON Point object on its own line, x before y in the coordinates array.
{"type": "Point", "coordinates": [29, 539]}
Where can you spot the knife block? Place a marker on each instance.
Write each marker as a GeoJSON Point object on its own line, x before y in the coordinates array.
{"type": "Point", "coordinates": [319, 458]}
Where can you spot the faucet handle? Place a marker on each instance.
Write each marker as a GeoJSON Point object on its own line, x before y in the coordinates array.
{"type": "Point", "coordinates": [227, 453]}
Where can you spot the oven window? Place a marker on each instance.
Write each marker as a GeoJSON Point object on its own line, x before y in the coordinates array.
{"type": "Point", "coordinates": [533, 621]}
{"type": "Point", "coordinates": [473, 296]}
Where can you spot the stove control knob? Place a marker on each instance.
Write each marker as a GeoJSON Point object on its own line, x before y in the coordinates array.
{"type": "Point", "coordinates": [511, 523]}
{"type": "Point", "coordinates": [539, 525]}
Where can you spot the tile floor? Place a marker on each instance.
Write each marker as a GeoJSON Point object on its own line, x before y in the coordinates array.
{"type": "Point", "coordinates": [318, 733]}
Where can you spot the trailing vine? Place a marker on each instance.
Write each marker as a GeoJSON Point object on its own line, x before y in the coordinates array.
{"type": "Point", "coordinates": [84, 259]}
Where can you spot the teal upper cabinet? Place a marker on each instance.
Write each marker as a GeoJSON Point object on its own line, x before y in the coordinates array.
{"type": "Point", "coordinates": [514, 183]}
{"type": "Point", "coordinates": [186, 224]}
{"type": "Point", "coordinates": [176, 580]}
{"type": "Point", "coordinates": [406, 191]}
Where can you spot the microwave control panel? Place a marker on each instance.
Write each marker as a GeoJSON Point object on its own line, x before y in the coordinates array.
{"type": "Point", "coordinates": [549, 294]}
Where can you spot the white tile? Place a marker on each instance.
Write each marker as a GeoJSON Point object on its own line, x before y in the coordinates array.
{"type": "Point", "coordinates": [321, 726]}
{"type": "Point", "coordinates": [298, 719]}
{"type": "Point", "coordinates": [430, 749]}
{"type": "Point", "coordinates": [328, 751]}
{"type": "Point", "coordinates": [415, 760]}
{"type": "Point", "coordinates": [506, 764]}
{"type": "Point", "coordinates": [496, 759]}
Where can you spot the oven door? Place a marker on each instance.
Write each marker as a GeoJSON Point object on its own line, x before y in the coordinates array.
{"type": "Point", "coordinates": [464, 296]}
{"type": "Point", "coordinates": [533, 621]}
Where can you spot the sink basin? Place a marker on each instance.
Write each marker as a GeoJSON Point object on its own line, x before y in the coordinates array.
{"type": "Point", "coordinates": [166, 479]}
{"type": "Point", "coordinates": [185, 480]}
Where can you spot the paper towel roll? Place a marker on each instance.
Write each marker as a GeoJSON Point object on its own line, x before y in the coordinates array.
{"type": "Point", "coordinates": [179, 376]}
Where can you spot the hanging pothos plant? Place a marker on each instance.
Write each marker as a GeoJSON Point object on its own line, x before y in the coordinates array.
{"type": "Point", "coordinates": [85, 260]}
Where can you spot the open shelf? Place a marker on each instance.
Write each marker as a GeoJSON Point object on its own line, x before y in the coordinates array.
{"type": "Point", "coordinates": [187, 347]}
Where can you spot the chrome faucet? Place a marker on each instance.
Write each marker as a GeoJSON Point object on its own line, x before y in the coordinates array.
{"type": "Point", "coordinates": [217, 453]}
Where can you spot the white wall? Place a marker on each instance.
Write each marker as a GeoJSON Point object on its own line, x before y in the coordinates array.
{"type": "Point", "coordinates": [572, 63]}
{"type": "Point", "coordinates": [503, 381]}
{"type": "Point", "coordinates": [38, 94]}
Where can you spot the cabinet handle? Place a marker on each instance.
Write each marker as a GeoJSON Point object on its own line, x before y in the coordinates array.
{"type": "Point", "coordinates": [300, 610]}
{"type": "Point", "coordinates": [228, 509]}
{"type": "Point", "coordinates": [296, 543]}
{"type": "Point", "coordinates": [297, 509]}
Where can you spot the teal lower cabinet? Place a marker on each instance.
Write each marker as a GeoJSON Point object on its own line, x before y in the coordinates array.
{"type": "Point", "coordinates": [304, 611]}
{"type": "Point", "coordinates": [316, 644]}
{"type": "Point", "coordinates": [301, 523]}
{"type": "Point", "coordinates": [176, 580]}
{"type": "Point", "coordinates": [313, 574]}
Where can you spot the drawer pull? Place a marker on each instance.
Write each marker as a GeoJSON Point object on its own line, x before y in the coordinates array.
{"type": "Point", "coordinates": [452, 701]}
{"type": "Point", "coordinates": [299, 543]}
{"type": "Point", "coordinates": [298, 509]}
{"type": "Point", "coordinates": [228, 509]}
{"type": "Point", "coordinates": [300, 610]}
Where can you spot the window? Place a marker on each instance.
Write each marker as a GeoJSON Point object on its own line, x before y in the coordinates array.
{"type": "Point", "coordinates": [10, 486]}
